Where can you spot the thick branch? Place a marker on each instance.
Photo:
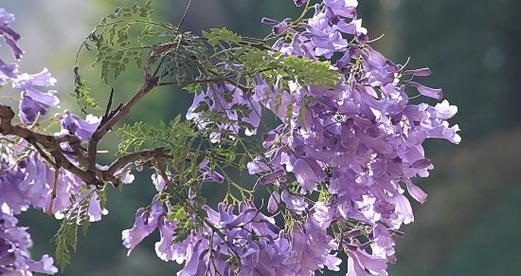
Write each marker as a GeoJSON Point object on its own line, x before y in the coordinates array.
{"type": "Point", "coordinates": [155, 154]}
{"type": "Point", "coordinates": [50, 143]}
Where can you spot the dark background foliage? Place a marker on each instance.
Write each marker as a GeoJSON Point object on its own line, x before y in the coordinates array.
{"type": "Point", "coordinates": [470, 224]}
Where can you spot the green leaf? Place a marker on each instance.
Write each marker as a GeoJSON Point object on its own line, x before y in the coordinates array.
{"type": "Point", "coordinates": [194, 88]}
{"type": "Point", "coordinates": [177, 137]}
{"type": "Point", "coordinates": [66, 238]}
{"type": "Point", "coordinates": [273, 65]}
{"type": "Point", "coordinates": [183, 220]}
{"type": "Point", "coordinates": [302, 115]}
{"type": "Point", "coordinates": [82, 92]}
{"type": "Point", "coordinates": [216, 35]}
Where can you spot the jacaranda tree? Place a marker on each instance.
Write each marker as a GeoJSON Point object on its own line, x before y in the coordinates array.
{"type": "Point", "coordinates": [332, 177]}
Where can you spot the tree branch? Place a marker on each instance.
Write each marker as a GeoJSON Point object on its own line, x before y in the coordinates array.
{"type": "Point", "coordinates": [113, 119]}
{"type": "Point", "coordinates": [120, 163]}
{"type": "Point", "coordinates": [50, 143]}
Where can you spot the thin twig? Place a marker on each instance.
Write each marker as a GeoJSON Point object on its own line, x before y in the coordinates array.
{"type": "Point", "coordinates": [188, 3]}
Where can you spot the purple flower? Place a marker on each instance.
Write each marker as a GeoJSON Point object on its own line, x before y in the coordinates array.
{"type": "Point", "coordinates": [45, 265]}
{"type": "Point", "coordinates": [427, 91]}
{"type": "Point", "coordinates": [237, 106]}
{"type": "Point", "coordinates": [311, 248]}
{"type": "Point", "coordinates": [159, 182]}
{"type": "Point", "coordinates": [10, 195]}
{"type": "Point", "coordinates": [10, 36]}
{"type": "Point", "coordinates": [25, 183]}
{"type": "Point", "coordinates": [300, 3]}
{"type": "Point", "coordinates": [74, 125]}
{"type": "Point", "coordinates": [15, 242]}
{"type": "Point", "coordinates": [256, 166]}
{"type": "Point", "coordinates": [30, 108]}
{"type": "Point", "coordinates": [278, 27]}
{"type": "Point", "coordinates": [282, 26]}
{"type": "Point", "coordinates": [28, 81]}
{"type": "Point", "coordinates": [308, 172]}
{"type": "Point", "coordinates": [415, 191]}
{"type": "Point", "coordinates": [325, 37]}
{"type": "Point", "coordinates": [346, 8]}
{"type": "Point", "coordinates": [145, 223]}
{"type": "Point", "coordinates": [445, 111]}
{"type": "Point", "coordinates": [296, 203]}
{"type": "Point", "coordinates": [402, 210]}
{"type": "Point", "coordinates": [234, 240]}
{"type": "Point", "coordinates": [196, 264]}
{"type": "Point", "coordinates": [379, 70]}
{"type": "Point", "coordinates": [421, 72]}
{"type": "Point", "coordinates": [273, 202]}
{"type": "Point", "coordinates": [208, 173]}
{"type": "Point", "coordinates": [383, 243]}
{"type": "Point", "coordinates": [168, 251]}
{"type": "Point", "coordinates": [359, 262]}
{"type": "Point", "coordinates": [354, 27]}
{"type": "Point", "coordinates": [34, 101]}
{"type": "Point", "coordinates": [7, 72]}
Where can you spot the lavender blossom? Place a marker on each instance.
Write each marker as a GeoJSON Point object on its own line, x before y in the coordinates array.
{"type": "Point", "coordinates": [15, 242]}
{"type": "Point", "coordinates": [339, 168]}
{"type": "Point", "coordinates": [35, 101]}
{"type": "Point", "coordinates": [10, 36]}
{"type": "Point", "coordinates": [146, 222]}
{"type": "Point", "coordinates": [74, 125]}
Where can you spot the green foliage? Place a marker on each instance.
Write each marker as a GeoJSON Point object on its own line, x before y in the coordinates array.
{"type": "Point", "coordinates": [66, 238]}
{"type": "Point", "coordinates": [177, 136]}
{"type": "Point", "coordinates": [194, 88]}
{"type": "Point", "coordinates": [306, 71]}
{"type": "Point", "coordinates": [324, 195]}
{"type": "Point", "coordinates": [135, 9]}
{"type": "Point", "coordinates": [182, 59]}
{"type": "Point", "coordinates": [221, 35]}
{"type": "Point", "coordinates": [82, 92]}
{"type": "Point", "coordinates": [111, 39]}
{"type": "Point", "coordinates": [183, 220]}
{"type": "Point", "coordinates": [225, 155]}
{"type": "Point", "coordinates": [302, 115]}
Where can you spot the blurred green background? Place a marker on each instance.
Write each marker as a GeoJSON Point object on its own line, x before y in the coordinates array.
{"type": "Point", "coordinates": [471, 224]}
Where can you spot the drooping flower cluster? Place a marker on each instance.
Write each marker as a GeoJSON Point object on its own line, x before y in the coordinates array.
{"type": "Point", "coordinates": [358, 144]}
{"type": "Point", "coordinates": [246, 243]}
{"type": "Point", "coordinates": [338, 167]}
{"type": "Point", "coordinates": [18, 188]}
{"type": "Point", "coordinates": [26, 178]}
{"type": "Point", "coordinates": [33, 102]}
{"type": "Point", "coordinates": [14, 249]}
{"type": "Point", "coordinates": [239, 109]}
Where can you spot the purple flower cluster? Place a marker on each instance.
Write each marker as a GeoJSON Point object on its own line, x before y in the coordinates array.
{"type": "Point", "coordinates": [14, 249]}
{"type": "Point", "coordinates": [238, 108]}
{"type": "Point", "coordinates": [22, 182]}
{"type": "Point", "coordinates": [33, 101]}
{"type": "Point", "coordinates": [362, 141]}
{"type": "Point", "coordinates": [26, 178]}
{"type": "Point", "coordinates": [236, 243]}
{"type": "Point", "coordinates": [358, 145]}
{"type": "Point", "coordinates": [339, 167]}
